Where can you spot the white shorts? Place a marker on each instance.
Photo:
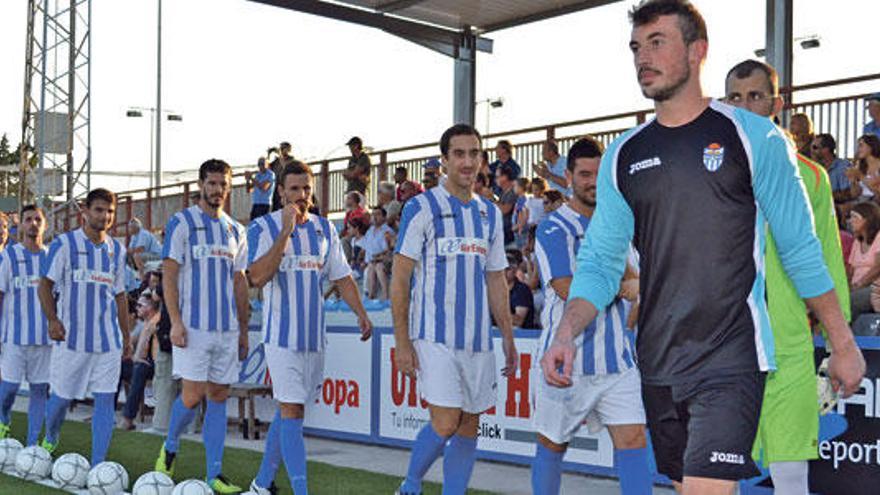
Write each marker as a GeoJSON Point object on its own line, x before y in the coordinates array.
{"type": "Point", "coordinates": [456, 378]}
{"type": "Point", "coordinates": [296, 376]}
{"type": "Point", "coordinates": [25, 363]}
{"type": "Point", "coordinates": [74, 373]}
{"type": "Point", "coordinates": [207, 357]}
{"type": "Point", "coordinates": [595, 400]}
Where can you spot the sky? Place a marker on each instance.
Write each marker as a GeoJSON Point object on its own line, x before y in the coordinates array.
{"type": "Point", "coordinates": [245, 76]}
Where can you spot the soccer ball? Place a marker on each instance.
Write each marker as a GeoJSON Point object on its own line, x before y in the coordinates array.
{"type": "Point", "coordinates": [33, 463]}
{"type": "Point", "coordinates": [107, 478]}
{"type": "Point", "coordinates": [71, 471]}
{"type": "Point", "coordinates": [9, 449]}
{"type": "Point", "coordinates": [153, 483]}
{"type": "Point", "coordinates": [192, 487]}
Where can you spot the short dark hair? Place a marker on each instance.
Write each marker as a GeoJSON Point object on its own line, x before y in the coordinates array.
{"type": "Point", "coordinates": [100, 194]}
{"type": "Point", "coordinates": [746, 68]}
{"type": "Point", "coordinates": [483, 179]}
{"type": "Point", "coordinates": [507, 172]}
{"type": "Point", "coordinates": [523, 182]}
{"type": "Point", "coordinates": [295, 167]}
{"type": "Point", "coordinates": [585, 147]}
{"type": "Point", "coordinates": [553, 196]}
{"type": "Point", "coordinates": [357, 196]}
{"type": "Point", "coordinates": [402, 169]}
{"type": "Point", "coordinates": [690, 21]}
{"type": "Point", "coordinates": [456, 130]}
{"type": "Point", "coordinates": [552, 145]}
{"type": "Point", "coordinates": [827, 141]}
{"type": "Point", "coordinates": [214, 166]}
{"type": "Point", "coordinates": [380, 208]}
{"type": "Point", "coordinates": [505, 145]}
{"type": "Point", "coordinates": [31, 207]}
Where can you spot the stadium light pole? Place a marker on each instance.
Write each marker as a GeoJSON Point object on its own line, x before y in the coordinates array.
{"type": "Point", "coordinates": [158, 115]}
{"type": "Point", "coordinates": [155, 118]}
{"type": "Point", "coordinates": [490, 104]}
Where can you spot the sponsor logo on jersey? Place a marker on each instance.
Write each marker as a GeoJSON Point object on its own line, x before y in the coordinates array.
{"type": "Point", "coordinates": [212, 251]}
{"type": "Point", "coordinates": [713, 156]}
{"type": "Point", "coordinates": [727, 458]}
{"type": "Point", "coordinates": [25, 281]}
{"type": "Point", "coordinates": [454, 246]}
{"type": "Point", "coordinates": [644, 165]}
{"type": "Point", "coordinates": [93, 277]}
{"type": "Point", "coordinates": [301, 263]}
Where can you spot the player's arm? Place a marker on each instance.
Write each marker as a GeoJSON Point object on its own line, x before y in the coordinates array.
{"type": "Point", "coordinates": [242, 311]}
{"type": "Point", "coordinates": [124, 322]}
{"type": "Point", "coordinates": [410, 241]}
{"type": "Point", "coordinates": [267, 262]}
{"type": "Point", "coordinates": [499, 304]}
{"type": "Point", "coordinates": [780, 194]}
{"type": "Point", "coordinates": [600, 266]}
{"type": "Point", "coordinates": [52, 269]}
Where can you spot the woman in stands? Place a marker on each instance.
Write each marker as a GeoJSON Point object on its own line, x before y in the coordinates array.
{"type": "Point", "coordinates": [864, 268]}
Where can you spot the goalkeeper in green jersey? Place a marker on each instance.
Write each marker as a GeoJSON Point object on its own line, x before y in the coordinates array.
{"type": "Point", "coordinates": [788, 431]}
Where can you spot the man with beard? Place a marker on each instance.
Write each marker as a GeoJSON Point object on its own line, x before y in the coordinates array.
{"type": "Point", "coordinates": [692, 190]}
{"type": "Point", "coordinates": [605, 382]}
{"type": "Point", "coordinates": [291, 252]}
{"type": "Point", "coordinates": [205, 291]}
{"type": "Point", "coordinates": [86, 268]}
{"type": "Point", "coordinates": [26, 349]}
{"type": "Point", "coordinates": [4, 231]}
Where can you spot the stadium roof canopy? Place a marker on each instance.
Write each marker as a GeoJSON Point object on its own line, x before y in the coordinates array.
{"type": "Point", "coordinates": [454, 28]}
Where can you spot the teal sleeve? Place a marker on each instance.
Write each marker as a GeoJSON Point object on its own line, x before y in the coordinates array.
{"type": "Point", "coordinates": [601, 259]}
{"type": "Point", "coordinates": [782, 199]}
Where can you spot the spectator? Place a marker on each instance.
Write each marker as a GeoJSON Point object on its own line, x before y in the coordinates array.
{"type": "Point", "coordinates": [354, 209]}
{"type": "Point", "coordinates": [481, 187]}
{"type": "Point", "coordinates": [285, 156]}
{"type": "Point", "coordinates": [376, 254]}
{"type": "Point", "coordinates": [863, 262]}
{"type": "Point", "coordinates": [530, 274]}
{"type": "Point", "coordinates": [552, 201]}
{"type": "Point", "coordinates": [521, 188]}
{"type": "Point", "coordinates": [357, 174]}
{"type": "Point", "coordinates": [164, 385]}
{"type": "Point", "coordinates": [401, 178]}
{"type": "Point", "coordinates": [484, 164]}
{"type": "Point", "coordinates": [4, 231]}
{"type": "Point", "coordinates": [433, 174]}
{"type": "Point", "coordinates": [552, 168]}
{"type": "Point", "coordinates": [357, 230]}
{"type": "Point", "coordinates": [535, 204]}
{"type": "Point", "coordinates": [824, 151]}
{"type": "Point", "coordinates": [522, 305]}
{"type": "Point", "coordinates": [865, 176]}
{"type": "Point", "coordinates": [263, 184]}
{"type": "Point", "coordinates": [143, 246]}
{"type": "Point", "coordinates": [873, 126]}
{"type": "Point", "coordinates": [801, 129]}
{"type": "Point", "coordinates": [409, 190]}
{"type": "Point", "coordinates": [504, 155]}
{"type": "Point", "coordinates": [386, 200]}
{"type": "Point", "coordinates": [506, 202]}
{"type": "Point", "coordinates": [149, 312]}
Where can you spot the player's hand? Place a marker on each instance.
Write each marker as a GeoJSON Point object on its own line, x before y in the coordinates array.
{"type": "Point", "coordinates": [178, 334]}
{"type": "Point", "coordinates": [406, 359]}
{"type": "Point", "coordinates": [511, 358]}
{"type": "Point", "coordinates": [629, 289]}
{"type": "Point", "coordinates": [56, 330]}
{"type": "Point", "coordinates": [288, 217]}
{"type": "Point", "coordinates": [559, 354]}
{"type": "Point", "coordinates": [243, 346]}
{"type": "Point", "coordinates": [846, 368]}
{"type": "Point", "coordinates": [366, 327]}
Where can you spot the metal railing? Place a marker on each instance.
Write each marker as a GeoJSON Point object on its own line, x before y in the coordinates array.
{"type": "Point", "coordinates": [842, 117]}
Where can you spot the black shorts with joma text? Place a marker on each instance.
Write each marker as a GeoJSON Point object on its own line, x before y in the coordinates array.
{"type": "Point", "coordinates": [705, 428]}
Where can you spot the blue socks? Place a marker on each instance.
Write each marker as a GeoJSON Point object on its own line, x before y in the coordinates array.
{"type": "Point", "coordinates": [425, 451]}
{"type": "Point", "coordinates": [102, 426]}
{"type": "Point", "coordinates": [546, 471]}
{"type": "Point", "coordinates": [181, 416]}
{"type": "Point", "coordinates": [7, 397]}
{"type": "Point", "coordinates": [214, 436]}
{"type": "Point", "coordinates": [635, 475]}
{"type": "Point", "coordinates": [55, 412]}
{"type": "Point", "coordinates": [271, 453]}
{"type": "Point", "coordinates": [39, 393]}
{"type": "Point", "coordinates": [293, 450]}
{"type": "Point", "coordinates": [458, 464]}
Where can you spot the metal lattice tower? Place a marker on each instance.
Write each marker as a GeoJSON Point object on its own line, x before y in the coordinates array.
{"type": "Point", "coordinates": [57, 102]}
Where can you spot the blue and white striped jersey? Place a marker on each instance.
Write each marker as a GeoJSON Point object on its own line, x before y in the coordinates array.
{"type": "Point", "coordinates": [454, 245]}
{"type": "Point", "coordinates": [293, 301]}
{"type": "Point", "coordinates": [602, 348]}
{"type": "Point", "coordinates": [22, 319]}
{"type": "Point", "coordinates": [87, 277]}
{"type": "Point", "coordinates": [209, 251]}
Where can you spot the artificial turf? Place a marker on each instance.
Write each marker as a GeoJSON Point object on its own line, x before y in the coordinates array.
{"type": "Point", "coordinates": [138, 451]}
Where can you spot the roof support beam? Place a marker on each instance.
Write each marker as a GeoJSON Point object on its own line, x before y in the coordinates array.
{"type": "Point", "coordinates": [780, 35]}
{"type": "Point", "coordinates": [396, 5]}
{"type": "Point", "coordinates": [464, 85]}
{"type": "Point", "coordinates": [540, 16]}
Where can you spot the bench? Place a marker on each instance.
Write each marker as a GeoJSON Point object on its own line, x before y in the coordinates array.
{"type": "Point", "coordinates": [246, 393]}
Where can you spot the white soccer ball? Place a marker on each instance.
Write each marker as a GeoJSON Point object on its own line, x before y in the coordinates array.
{"type": "Point", "coordinates": [71, 471]}
{"type": "Point", "coordinates": [192, 487]}
{"type": "Point", "coordinates": [9, 449]}
{"type": "Point", "coordinates": [107, 478]}
{"type": "Point", "coordinates": [153, 483]}
{"type": "Point", "coordinates": [33, 463]}
{"type": "Point", "coordinates": [126, 481]}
